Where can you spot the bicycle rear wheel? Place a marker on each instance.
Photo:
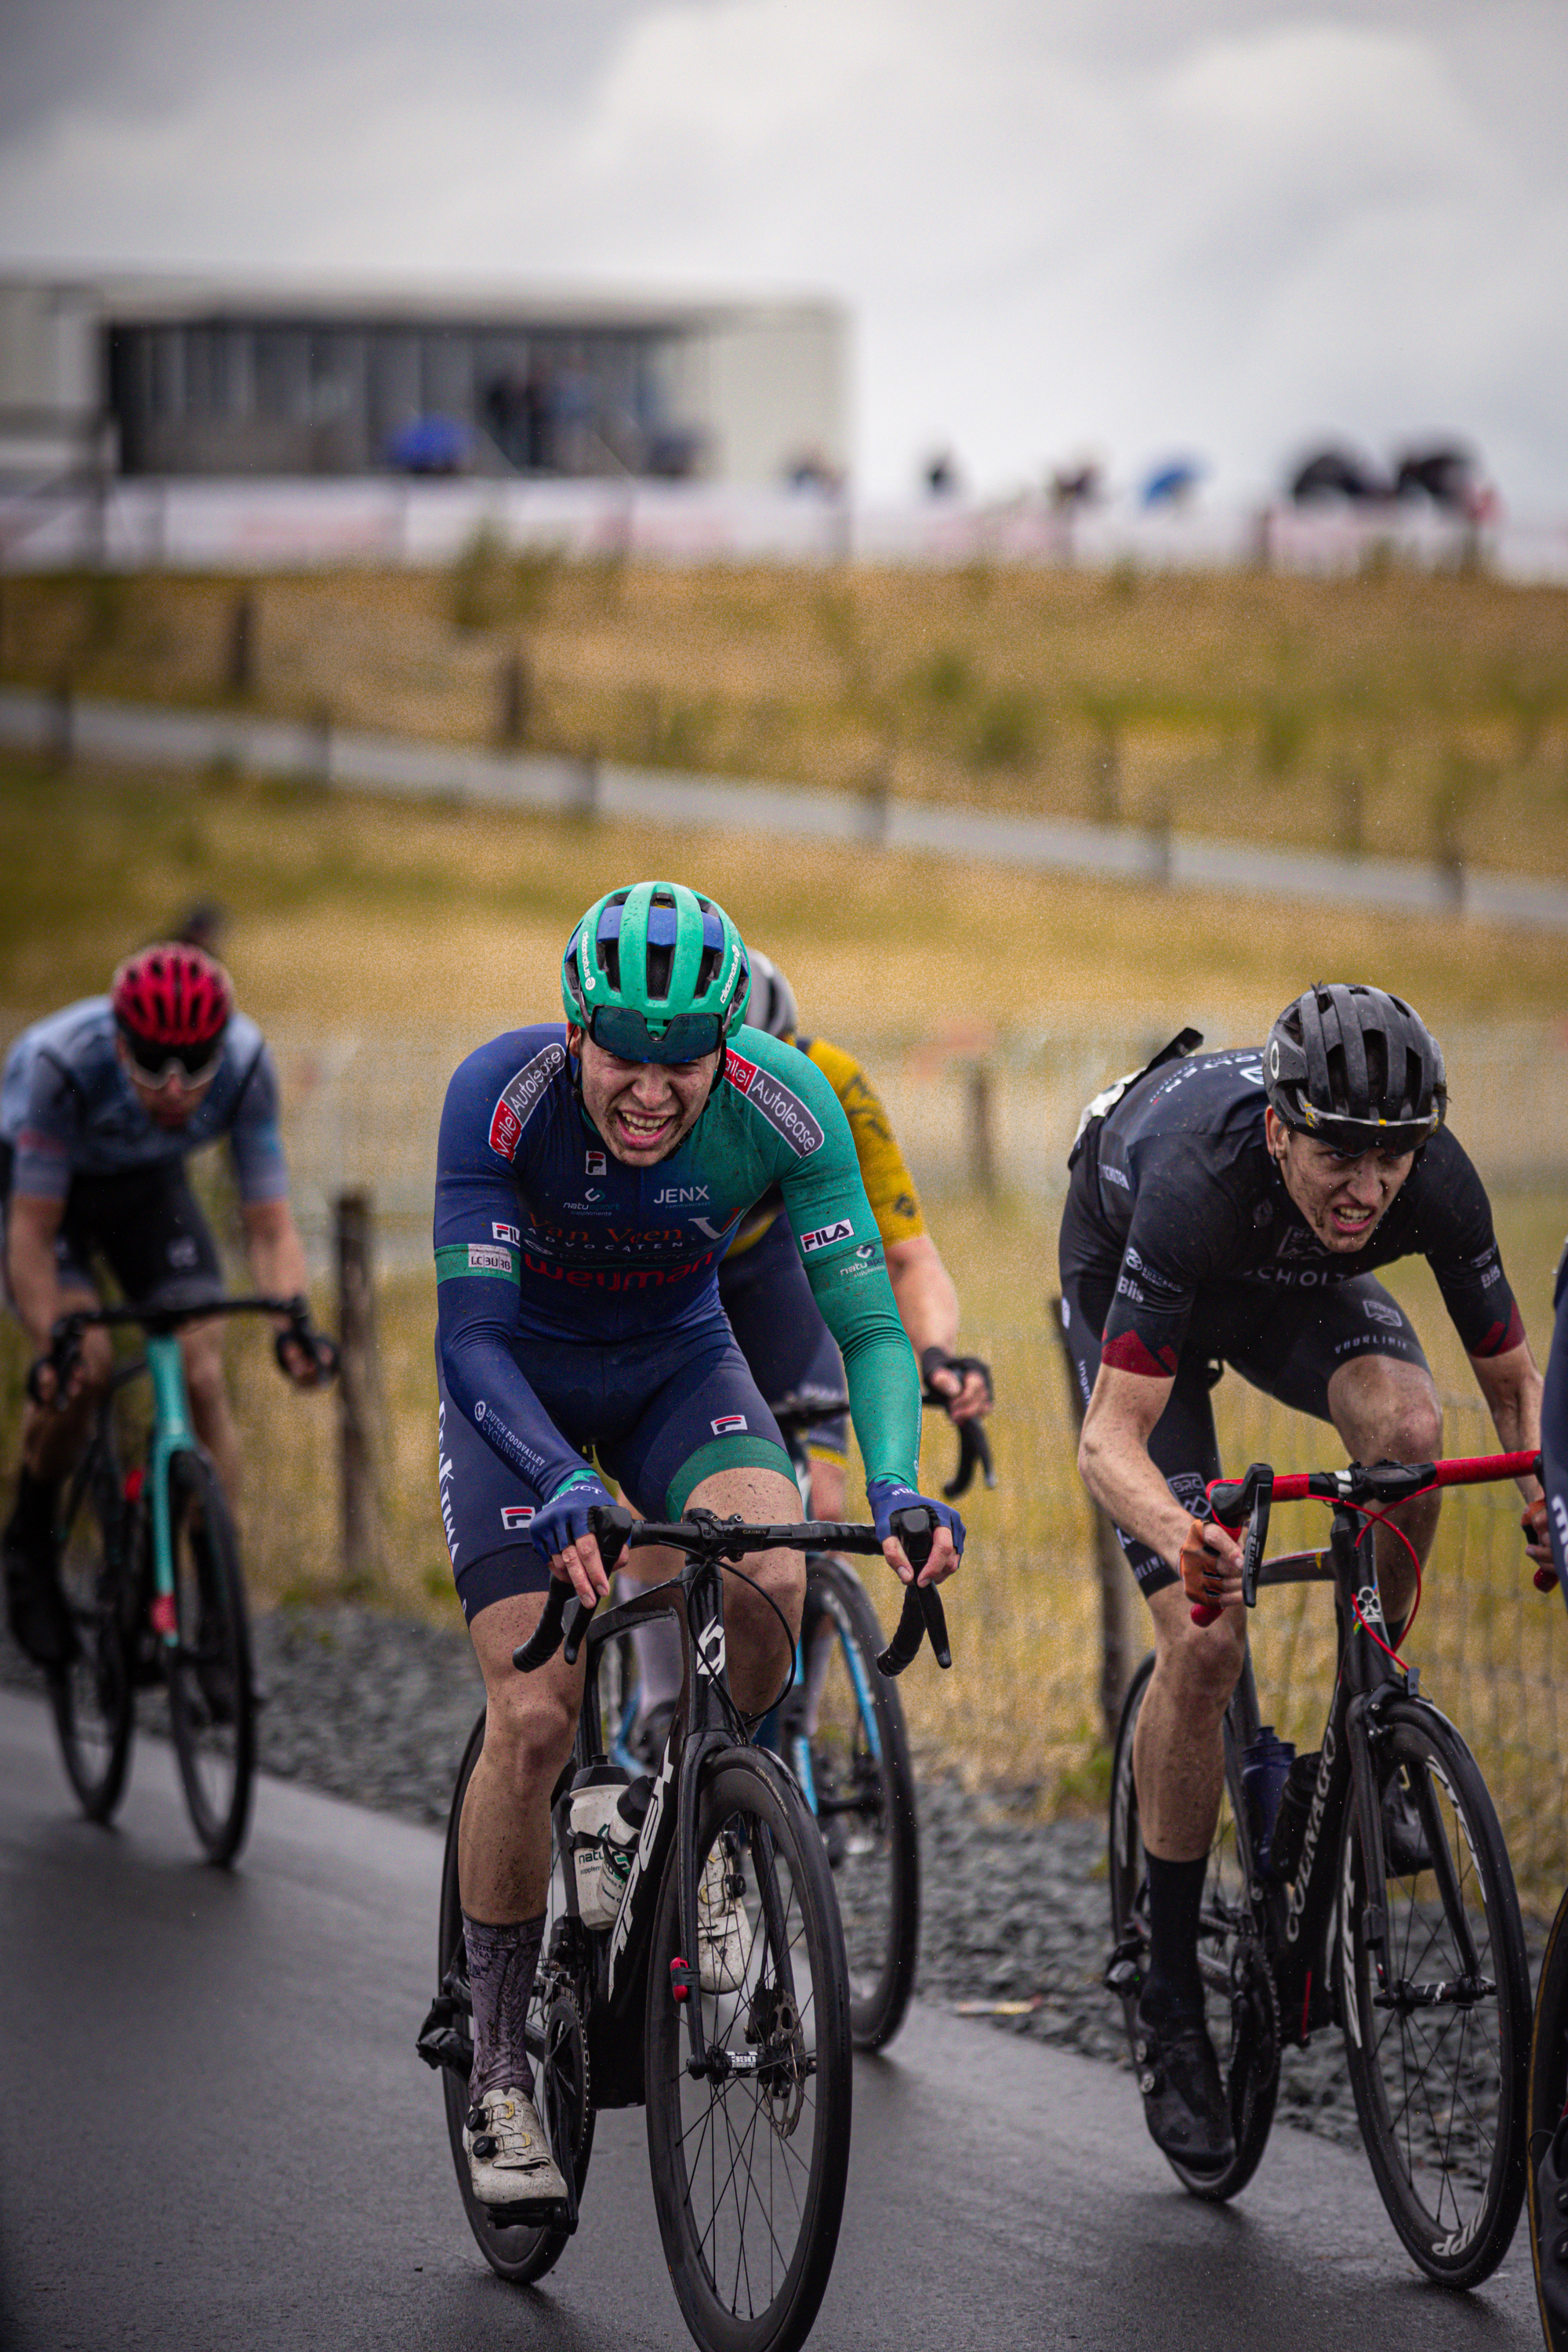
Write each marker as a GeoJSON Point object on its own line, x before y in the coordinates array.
{"type": "Point", "coordinates": [94, 1698]}
{"type": "Point", "coordinates": [523, 2253]}
{"type": "Point", "coordinates": [212, 1704]}
{"type": "Point", "coordinates": [863, 1791]}
{"type": "Point", "coordinates": [750, 2160]}
{"type": "Point", "coordinates": [1438, 2043]}
{"type": "Point", "coordinates": [1243, 2017]}
{"type": "Point", "coordinates": [1548, 2107]}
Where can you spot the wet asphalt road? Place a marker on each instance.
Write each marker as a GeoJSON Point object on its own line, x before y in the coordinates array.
{"type": "Point", "coordinates": [214, 2134]}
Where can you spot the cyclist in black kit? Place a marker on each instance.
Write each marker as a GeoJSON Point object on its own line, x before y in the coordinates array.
{"type": "Point", "coordinates": [1230, 1209]}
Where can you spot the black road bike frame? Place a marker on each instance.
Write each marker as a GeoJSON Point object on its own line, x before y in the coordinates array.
{"type": "Point", "coordinates": [1298, 1920]}
{"type": "Point", "coordinates": [614, 1968]}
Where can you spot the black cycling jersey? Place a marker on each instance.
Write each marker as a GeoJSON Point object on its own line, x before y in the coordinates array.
{"type": "Point", "coordinates": [1176, 1194]}
{"type": "Point", "coordinates": [1554, 1425]}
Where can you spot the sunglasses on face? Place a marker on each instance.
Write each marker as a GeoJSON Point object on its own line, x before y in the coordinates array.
{"type": "Point", "coordinates": [624, 1033]}
{"type": "Point", "coordinates": [176, 1063]}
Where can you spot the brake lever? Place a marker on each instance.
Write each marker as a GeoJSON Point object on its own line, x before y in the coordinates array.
{"type": "Point", "coordinates": [922, 1613]}
{"type": "Point", "coordinates": [973, 1454]}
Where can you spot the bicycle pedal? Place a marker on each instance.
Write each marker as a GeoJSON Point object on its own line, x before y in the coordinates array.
{"type": "Point", "coordinates": [530, 2213]}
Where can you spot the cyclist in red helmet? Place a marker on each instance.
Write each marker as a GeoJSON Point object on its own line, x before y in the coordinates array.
{"type": "Point", "coordinates": [100, 1106]}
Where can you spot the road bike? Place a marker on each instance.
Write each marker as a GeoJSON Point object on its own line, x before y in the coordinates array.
{"type": "Point", "coordinates": [841, 1728]}
{"type": "Point", "coordinates": [1546, 2125]}
{"type": "Point", "coordinates": [742, 2058]}
{"type": "Point", "coordinates": [150, 1569]}
{"type": "Point", "coordinates": [1377, 1897]}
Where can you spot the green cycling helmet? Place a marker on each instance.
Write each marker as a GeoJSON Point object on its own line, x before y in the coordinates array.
{"type": "Point", "coordinates": [655, 973]}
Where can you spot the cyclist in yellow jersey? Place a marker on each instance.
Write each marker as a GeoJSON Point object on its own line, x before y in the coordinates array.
{"type": "Point", "coordinates": [788, 1348]}
{"type": "Point", "coordinates": [764, 1293]}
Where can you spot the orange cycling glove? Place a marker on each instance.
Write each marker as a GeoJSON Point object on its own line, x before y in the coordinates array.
{"type": "Point", "coordinates": [1537, 1532]}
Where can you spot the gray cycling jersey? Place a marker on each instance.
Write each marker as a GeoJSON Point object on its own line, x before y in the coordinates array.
{"type": "Point", "coordinates": [66, 1108]}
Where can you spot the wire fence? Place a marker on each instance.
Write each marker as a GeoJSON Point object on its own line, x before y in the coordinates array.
{"type": "Point", "coordinates": [1021, 1706]}
{"type": "Point", "coordinates": [975, 1111]}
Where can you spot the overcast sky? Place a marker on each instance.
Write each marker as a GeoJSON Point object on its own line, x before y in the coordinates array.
{"type": "Point", "coordinates": [1124, 228]}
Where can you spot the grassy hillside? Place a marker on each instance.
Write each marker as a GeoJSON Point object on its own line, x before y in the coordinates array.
{"type": "Point", "coordinates": [1400, 712]}
{"type": "Point", "coordinates": [355, 914]}
{"type": "Point", "coordinates": [351, 912]}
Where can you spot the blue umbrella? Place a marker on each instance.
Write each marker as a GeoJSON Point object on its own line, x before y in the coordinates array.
{"type": "Point", "coordinates": [1170, 483]}
{"type": "Point", "coordinates": [429, 445]}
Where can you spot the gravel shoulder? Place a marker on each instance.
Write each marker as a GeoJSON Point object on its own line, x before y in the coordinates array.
{"type": "Point", "coordinates": [378, 1709]}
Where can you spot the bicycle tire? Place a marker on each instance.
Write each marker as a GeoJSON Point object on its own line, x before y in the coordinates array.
{"type": "Point", "coordinates": [1243, 2018]}
{"type": "Point", "coordinates": [863, 1787]}
{"type": "Point", "coordinates": [1441, 2105]}
{"type": "Point", "coordinates": [748, 2214]}
{"type": "Point", "coordinates": [1547, 2105]}
{"type": "Point", "coordinates": [212, 1699]}
{"type": "Point", "coordinates": [518, 2254]}
{"type": "Point", "coordinates": [94, 1698]}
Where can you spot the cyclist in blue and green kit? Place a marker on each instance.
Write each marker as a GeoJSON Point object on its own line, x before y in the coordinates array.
{"type": "Point", "coordinates": [590, 1180]}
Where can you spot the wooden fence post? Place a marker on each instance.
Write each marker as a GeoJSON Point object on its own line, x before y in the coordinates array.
{"type": "Point", "coordinates": [359, 1389]}
{"type": "Point", "coordinates": [515, 698]}
{"type": "Point", "coordinates": [240, 677]}
{"type": "Point", "coordinates": [981, 1131]}
{"type": "Point", "coordinates": [1119, 1633]}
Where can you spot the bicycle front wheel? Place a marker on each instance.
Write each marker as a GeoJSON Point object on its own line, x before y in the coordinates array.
{"type": "Point", "coordinates": [1241, 2007]}
{"type": "Point", "coordinates": [212, 1704]}
{"type": "Point", "coordinates": [749, 2158]}
{"type": "Point", "coordinates": [1436, 2026]}
{"type": "Point", "coordinates": [94, 1698]}
{"type": "Point", "coordinates": [862, 1789]}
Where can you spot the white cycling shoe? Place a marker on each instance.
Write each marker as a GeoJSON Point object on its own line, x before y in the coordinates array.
{"type": "Point", "coordinates": [724, 1932]}
{"type": "Point", "coordinates": [509, 2161]}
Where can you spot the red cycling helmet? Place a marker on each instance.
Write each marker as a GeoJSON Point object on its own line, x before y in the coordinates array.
{"type": "Point", "coordinates": [171, 1003]}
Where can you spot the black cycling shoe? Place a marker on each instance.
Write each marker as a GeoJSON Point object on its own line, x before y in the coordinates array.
{"type": "Point", "coordinates": [36, 1608]}
{"type": "Point", "coordinates": [1184, 2104]}
{"type": "Point", "coordinates": [1405, 1851]}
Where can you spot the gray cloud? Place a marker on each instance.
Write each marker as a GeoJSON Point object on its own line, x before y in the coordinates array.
{"type": "Point", "coordinates": [1119, 225]}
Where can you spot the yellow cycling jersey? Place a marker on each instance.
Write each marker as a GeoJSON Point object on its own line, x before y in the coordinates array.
{"type": "Point", "coordinates": [890, 1187]}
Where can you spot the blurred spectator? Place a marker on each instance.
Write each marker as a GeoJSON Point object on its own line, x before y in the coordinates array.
{"type": "Point", "coordinates": [941, 475]}
{"type": "Point", "coordinates": [1072, 488]}
{"type": "Point", "coordinates": [536, 406]}
{"type": "Point", "coordinates": [1449, 476]}
{"type": "Point", "coordinates": [814, 470]}
{"type": "Point", "coordinates": [1334, 473]}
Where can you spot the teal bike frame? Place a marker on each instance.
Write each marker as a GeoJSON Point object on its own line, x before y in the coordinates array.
{"type": "Point", "coordinates": [171, 1434]}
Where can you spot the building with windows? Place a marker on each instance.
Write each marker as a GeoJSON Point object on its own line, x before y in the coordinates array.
{"type": "Point", "coordinates": [170, 377]}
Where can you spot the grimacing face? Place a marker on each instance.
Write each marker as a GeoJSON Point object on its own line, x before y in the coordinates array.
{"type": "Point", "coordinates": [644, 1110]}
{"type": "Point", "coordinates": [1343, 1198]}
{"type": "Point", "coordinates": [171, 1101]}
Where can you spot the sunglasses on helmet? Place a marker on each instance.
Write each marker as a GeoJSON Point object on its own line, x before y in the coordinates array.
{"type": "Point", "coordinates": [623, 1031]}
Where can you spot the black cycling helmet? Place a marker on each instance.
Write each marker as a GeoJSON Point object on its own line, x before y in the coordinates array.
{"type": "Point", "coordinates": [1357, 1068]}
{"type": "Point", "coordinates": [772, 1006]}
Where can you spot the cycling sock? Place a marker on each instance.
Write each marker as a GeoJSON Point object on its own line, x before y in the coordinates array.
{"type": "Point", "coordinates": [501, 1964]}
{"type": "Point", "coordinates": [34, 1516]}
{"type": "Point", "coordinates": [1173, 1986]}
{"type": "Point", "coordinates": [657, 1647]}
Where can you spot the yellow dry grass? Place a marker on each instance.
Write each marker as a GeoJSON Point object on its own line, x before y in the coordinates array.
{"type": "Point", "coordinates": [1402, 712]}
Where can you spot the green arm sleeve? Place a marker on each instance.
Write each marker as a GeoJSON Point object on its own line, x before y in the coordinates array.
{"type": "Point", "coordinates": [835, 1233]}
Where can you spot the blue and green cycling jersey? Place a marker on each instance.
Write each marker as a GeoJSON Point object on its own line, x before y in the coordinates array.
{"type": "Point", "coordinates": [543, 1237]}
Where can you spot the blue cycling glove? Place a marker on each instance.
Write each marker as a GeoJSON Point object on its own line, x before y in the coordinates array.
{"type": "Point", "coordinates": [564, 1519]}
{"type": "Point", "coordinates": [887, 1496]}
